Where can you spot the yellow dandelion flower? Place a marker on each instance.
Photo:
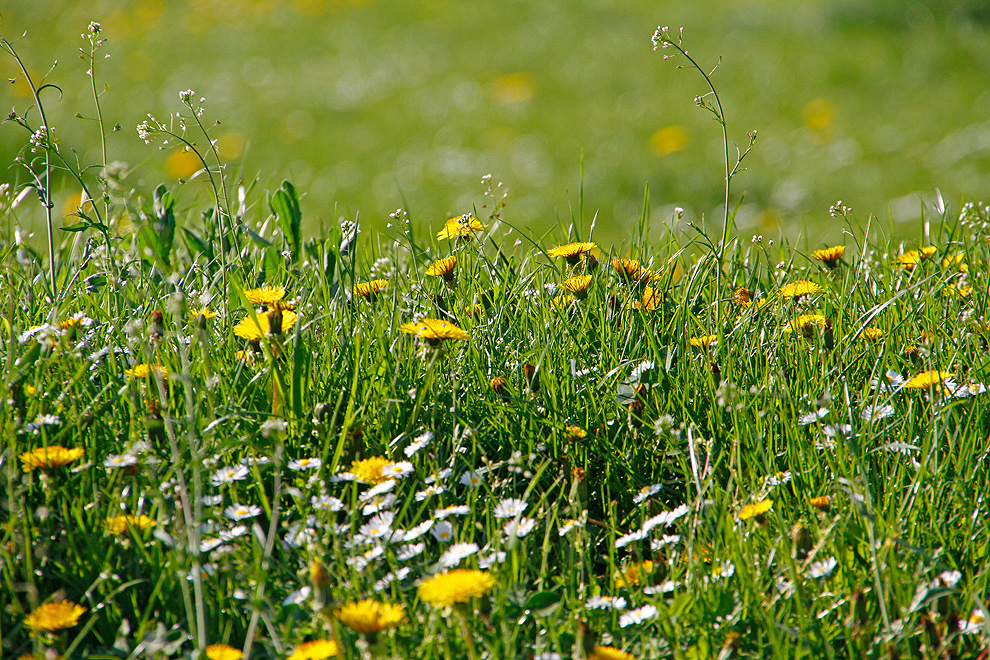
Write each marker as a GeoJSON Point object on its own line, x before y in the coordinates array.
{"type": "Point", "coordinates": [50, 457]}
{"type": "Point", "coordinates": [651, 299]}
{"type": "Point", "coordinates": [499, 386]}
{"type": "Point", "coordinates": [117, 525]}
{"type": "Point", "coordinates": [610, 653]}
{"type": "Point", "coordinates": [319, 649]}
{"type": "Point", "coordinates": [927, 380]}
{"type": "Point", "coordinates": [54, 616]}
{"type": "Point", "coordinates": [755, 510]}
{"type": "Point", "coordinates": [575, 432]}
{"type": "Point", "coordinates": [370, 289]}
{"type": "Point", "coordinates": [800, 288]}
{"type": "Point", "coordinates": [463, 226]}
{"type": "Point", "coordinates": [370, 616]}
{"type": "Point", "coordinates": [145, 370]}
{"type": "Point", "coordinates": [628, 269]}
{"type": "Point", "coordinates": [957, 261]}
{"type": "Point", "coordinates": [578, 286]}
{"type": "Point", "coordinates": [223, 652]}
{"type": "Point", "coordinates": [912, 258]}
{"type": "Point", "coordinates": [443, 268]}
{"type": "Point", "coordinates": [205, 312]}
{"type": "Point", "coordinates": [572, 251]}
{"type": "Point", "coordinates": [703, 342]}
{"type": "Point", "coordinates": [371, 470]}
{"type": "Point", "coordinates": [806, 323]}
{"type": "Point", "coordinates": [256, 326]}
{"type": "Point", "coordinates": [434, 330]}
{"type": "Point", "coordinates": [265, 295]}
{"type": "Point", "coordinates": [456, 586]}
{"type": "Point", "coordinates": [872, 334]}
{"type": "Point", "coordinates": [829, 256]}
{"type": "Point", "coordinates": [562, 301]}
{"type": "Point", "coordinates": [633, 573]}
{"type": "Point", "coordinates": [960, 290]}
{"type": "Point", "coordinates": [821, 502]}
{"type": "Point", "coordinates": [744, 297]}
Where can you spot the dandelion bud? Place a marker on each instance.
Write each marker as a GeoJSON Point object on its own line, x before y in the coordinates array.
{"type": "Point", "coordinates": [803, 542]}
{"type": "Point", "coordinates": [157, 325]}
{"type": "Point", "coordinates": [275, 320]}
{"type": "Point", "coordinates": [499, 387]}
{"type": "Point", "coordinates": [532, 377]}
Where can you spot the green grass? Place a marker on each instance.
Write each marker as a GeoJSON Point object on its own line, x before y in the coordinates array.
{"type": "Point", "coordinates": [894, 565]}
{"type": "Point", "coordinates": [376, 105]}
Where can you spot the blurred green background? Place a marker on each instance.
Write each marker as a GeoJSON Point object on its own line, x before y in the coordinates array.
{"type": "Point", "coordinates": [376, 104]}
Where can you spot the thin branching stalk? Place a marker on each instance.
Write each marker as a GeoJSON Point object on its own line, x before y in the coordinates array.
{"type": "Point", "coordinates": [44, 191]}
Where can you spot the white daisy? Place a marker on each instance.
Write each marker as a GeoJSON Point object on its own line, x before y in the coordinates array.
{"type": "Point", "coordinates": [229, 475]}
{"type": "Point", "coordinates": [472, 479]}
{"type": "Point", "coordinates": [417, 444]}
{"type": "Point", "coordinates": [510, 508]}
{"type": "Point", "coordinates": [457, 553]}
{"type": "Point", "coordinates": [639, 615]}
{"type": "Point", "coordinates": [305, 464]}
{"type": "Point", "coordinates": [242, 511]}
{"type": "Point", "coordinates": [443, 531]}
{"type": "Point", "coordinates": [446, 512]}
{"type": "Point", "coordinates": [519, 527]}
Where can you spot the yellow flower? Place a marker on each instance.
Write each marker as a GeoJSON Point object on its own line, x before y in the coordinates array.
{"type": "Point", "coordinates": [117, 525]}
{"type": "Point", "coordinates": [370, 616]}
{"type": "Point", "coordinates": [651, 299]}
{"type": "Point", "coordinates": [627, 268]}
{"type": "Point", "coordinates": [456, 586]}
{"type": "Point", "coordinates": [223, 652]}
{"type": "Point", "coordinates": [266, 295]}
{"type": "Point", "coordinates": [145, 370]}
{"type": "Point", "coordinates": [319, 649]}
{"type": "Point", "coordinates": [703, 342]}
{"type": "Point", "coordinates": [912, 258]}
{"type": "Point", "coordinates": [800, 288]}
{"type": "Point", "coordinates": [205, 312]}
{"type": "Point", "coordinates": [256, 326]}
{"type": "Point", "coordinates": [610, 653]}
{"type": "Point", "coordinates": [806, 323]}
{"type": "Point", "coordinates": [927, 379]}
{"type": "Point", "coordinates": [743, 297]}
{"type": "Point", "coordinates": [434, 330]}
{"type": "Point", "coordinates": [443, 268]}
{"type": "Point", "coordinates": [499, 386]}
{"type": "Point", "coordinates": [563, 301]}
{"type": "Point", "coordinates": [830, 255]}
{"type": "Point", "coordinates": [572, 251]}
{"type": "Point", "coordinates": [821, 502]}
{"type": "Point", "coordinates": [54, 616]}
{"type": "Point", "coordinates": [575, 432]}
{"type": "Point", "coordinates": [755, 510]}
{"type": "Point", "coordinates": [957, 261]}
{"type": "Point", "coordinates": [370, 289]}
{"type": "Point", "coordinates": [633, 573]}
{"type": "Point", "coordinates": [463, 226]}
{"type": "Point", "coordinates": [577, 285]}
{"type": "Point", "coordinates": [50, 457]}
{"type": "Point", "coordinates": [958, 291]}
{"type": "Point", "coordinates": [873, 334]}
{"type": "Point", "coordinates": [371, 470]}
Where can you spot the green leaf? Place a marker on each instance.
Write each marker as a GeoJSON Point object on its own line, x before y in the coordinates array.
{"type": "Point", "coordinates": [543, 604]}
{"type": "Point", "coordinates": [285, 205]}
{"type": "Point", "coordinates": [78, 226]}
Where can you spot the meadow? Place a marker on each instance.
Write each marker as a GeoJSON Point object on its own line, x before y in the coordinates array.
{"type": "Point", "coordinates": [225, 436]}
{"type": "Point", "coordinates": [371, 105]}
